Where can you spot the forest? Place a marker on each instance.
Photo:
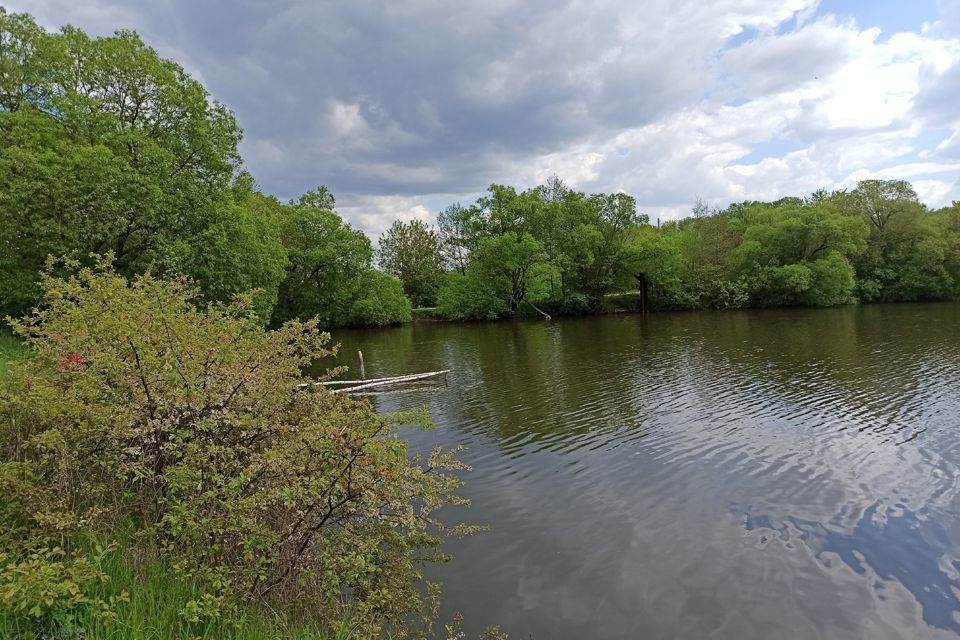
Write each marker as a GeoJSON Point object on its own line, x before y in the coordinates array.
{"type": "Point", "coordinates": [106, 148]}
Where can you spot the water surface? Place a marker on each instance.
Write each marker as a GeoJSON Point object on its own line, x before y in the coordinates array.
{"type": "Point", "coordinates": [756, 474]}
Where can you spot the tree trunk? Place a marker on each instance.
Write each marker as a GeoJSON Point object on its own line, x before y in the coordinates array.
{"type": "Point", "coordinates": [644, 292]}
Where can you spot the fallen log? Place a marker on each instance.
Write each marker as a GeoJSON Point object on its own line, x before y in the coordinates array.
{"type": "Point", "coordinates": [380, 382]}
{"type": "Point", "coordinates": [327, 383]}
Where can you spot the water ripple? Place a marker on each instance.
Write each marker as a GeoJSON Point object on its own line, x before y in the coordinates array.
{"type": "Point", "coordinates": [750, 474]}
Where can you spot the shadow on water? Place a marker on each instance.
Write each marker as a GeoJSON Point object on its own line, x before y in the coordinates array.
{"type": "Point", "coordinates": [606, 453]}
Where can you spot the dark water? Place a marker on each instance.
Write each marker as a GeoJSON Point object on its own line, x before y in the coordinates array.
{"type": "Point", "coordinates": [716, 475]}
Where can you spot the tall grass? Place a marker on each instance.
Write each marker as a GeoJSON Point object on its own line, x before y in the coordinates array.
{"type": "Point", "coordinates": [12, 350]}
{"type": "Point", "coordinates": [157, 597]}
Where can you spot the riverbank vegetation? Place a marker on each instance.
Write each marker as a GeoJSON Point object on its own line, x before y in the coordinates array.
{"type": "Point", "coordinates": [167, 471]}
{"type": "Point", "coordinates": [556, 249]}
{"type": "Point", "coordinates": [106, 147]}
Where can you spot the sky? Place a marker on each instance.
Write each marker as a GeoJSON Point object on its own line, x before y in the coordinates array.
{"type": "Point", "coordinates": [402, 107]}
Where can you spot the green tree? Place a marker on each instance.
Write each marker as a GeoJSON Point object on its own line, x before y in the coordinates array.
{"type": "Point", "coordinates": [655, 258]}
{"type": "Point", "coordinates": [505, 256]}
{"type": "Point", "coordinates": [469, 296]}
{"type": "Point", "coordinates": [879, 201]}
{"type": "Point", "coordinates": [380, 301]}
{"type": "Point", "coordinates": [329, 268]}
{"type": "Point", "coordinates": [613, 216]}
{"type": "Point", "coordinates": [796, 252]}
{"type": "Point", "coordinates": [411, 251]}
{"type": "Point", "coordinates": [105, 146]}
{"type": "Point", "coordinates": [452, 230]}
{"type": "Point", "coordinates": [907, 254]}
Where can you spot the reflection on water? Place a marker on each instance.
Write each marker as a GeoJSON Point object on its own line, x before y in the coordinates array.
{"type": "Point", "coordinates": [720, 475]}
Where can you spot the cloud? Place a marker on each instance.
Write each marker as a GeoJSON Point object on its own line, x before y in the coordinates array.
{"type": "Point", "coordinates": [398, 106]}
{"type": "Point", "coordinates": [374, 214]}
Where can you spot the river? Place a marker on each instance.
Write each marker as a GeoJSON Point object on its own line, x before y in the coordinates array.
{"type": "Point", "coordinates": [733, 475]}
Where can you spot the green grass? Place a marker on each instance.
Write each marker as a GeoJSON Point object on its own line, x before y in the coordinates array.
{"type": "Point", "coordinates": [12, 351]}
{"type": "Point", "coordinates": [156, 598]}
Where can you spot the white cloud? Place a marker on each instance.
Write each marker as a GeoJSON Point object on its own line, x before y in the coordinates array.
{"type": "Point", "coordinates": [399, 105]}
{"type": "Point", "coordinates": [374, 214]}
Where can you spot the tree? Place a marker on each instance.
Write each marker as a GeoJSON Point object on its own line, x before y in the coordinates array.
{"type": "Point", "coordinates": [907, 255]}
{"type": "Point", "coordinates": [613, 216]}
{"type": "Point", "coordinates": [380, 301]}
{"type": "Point", "coordinates": [880, 200]}
{"type": "Point", "coordinates": [411, 252]}
{"type": "Point", "coordinates": [105, 146]}
{"type": "Point", "coordinates": [654, 258]}
{"type": "Point", "coordinates": [468, 296]}
{"type": "Point", "coordinates": [242, 251]}
{"type": "Point", "coordinates": [329, 269]}
{"type": "Point", "coordinates": [795, 252]}
{"type": "Point", "coordinates": [451, 229]}
{"type": "Point", "coordinates": [703, 210]}
{"type": "Point", "coordinates": [797, 233]}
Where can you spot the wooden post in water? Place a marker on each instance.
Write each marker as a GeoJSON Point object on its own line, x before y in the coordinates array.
{"type": "Point", "coordinates": [363, 374]}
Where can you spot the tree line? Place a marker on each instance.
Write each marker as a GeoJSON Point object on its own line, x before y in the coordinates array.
{"type": "Point", "coordinates": [552, 249]}
{"type": "Point", "coordinates": [106, 148]}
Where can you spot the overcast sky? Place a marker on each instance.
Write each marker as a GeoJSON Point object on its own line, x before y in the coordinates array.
{"type": "Point", "coordinates": [403, 106]}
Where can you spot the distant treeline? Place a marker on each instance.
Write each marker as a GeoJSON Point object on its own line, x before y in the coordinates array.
{"type": "Point", "coordinates": [105, 148]}
{"type": "Point", "coordinates": [564, 252]}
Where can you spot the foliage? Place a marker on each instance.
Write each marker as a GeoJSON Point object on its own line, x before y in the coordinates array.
{"type": "Point", "coordinates": [194, 427]}
{"type": "Point", "coordinates": [104, 146]}
{"type": "Point", "coordinates": [549, 245]}
{"type": "Point", "coordinates": [468, 297]}
{"type": "Point", "coordinates": [382, 303]}
{"type": "Point", "coordinates": [798, 253]}
{"type": "Point", "coordinates": [555, 247]}
{"type": "Point", "coordinates": [329, 272]}
{"type": "Point", "coordinates": [452, 231]}
{"type": "Point", "coordinates": [412, 252]}
{"type": "Point", "coordinates": [12, 351]}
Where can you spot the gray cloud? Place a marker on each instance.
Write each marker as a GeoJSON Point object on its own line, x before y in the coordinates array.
{"type": "Point", "coordinates": [393, 104]}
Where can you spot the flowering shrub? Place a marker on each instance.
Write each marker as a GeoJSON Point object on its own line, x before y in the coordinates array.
{"type": "Point", "coordinates": [193, 425]}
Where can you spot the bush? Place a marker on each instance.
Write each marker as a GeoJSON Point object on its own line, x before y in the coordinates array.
{"type": "Point", "coordinates": [382, 303]}
{"type": "Point", "coordinates": [724, 294]}
{"type": "Point", "coordinates": [195, 427]}
{"type": "Point", "coordinates": [821, 283]}
{"type": "Point", "coordinates": [468, 297]}
{"type": "Point", "coordinates": [833, 282]}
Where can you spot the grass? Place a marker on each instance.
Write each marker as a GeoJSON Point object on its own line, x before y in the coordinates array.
{"type": "Point", "coordinates": [12, 351]}
{"type": "Point", "coordinates": [156, 598]}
